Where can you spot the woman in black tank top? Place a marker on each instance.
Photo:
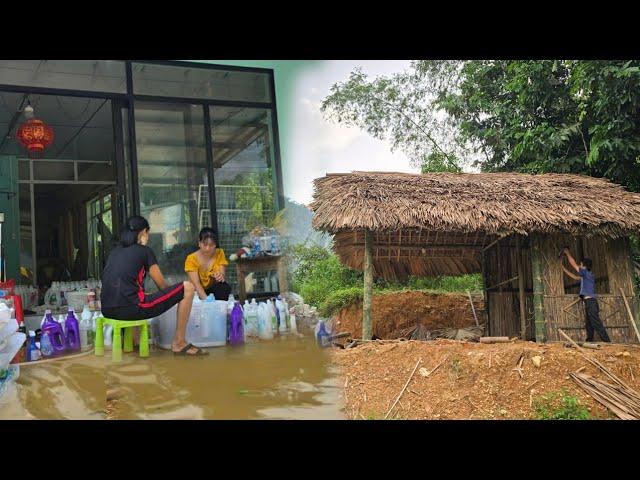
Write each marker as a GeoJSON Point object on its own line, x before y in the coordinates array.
{"type": "Point", "coordinates": [123, 296]}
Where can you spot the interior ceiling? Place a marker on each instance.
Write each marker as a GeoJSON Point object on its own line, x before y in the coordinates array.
{"type": "Point", "coordinates": [82, 126]}
{"type": "Point", "coordinates": [83, 131]}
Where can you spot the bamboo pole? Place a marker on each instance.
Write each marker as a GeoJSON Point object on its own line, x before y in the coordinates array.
{"type": "Point", "coordinates": [631, 319]}
{"type": "Point", "coordinates": [523, 320]}
{"type": "Point", "coordinates": [368, 286]}
{"type": "Point", "coordinates": [473, 308]}
{"type": "Point", "coordinates": [538, 290]}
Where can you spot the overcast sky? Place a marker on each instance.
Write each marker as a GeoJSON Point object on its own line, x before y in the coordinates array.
{"type": "Point", "coordinates": [319, 146]}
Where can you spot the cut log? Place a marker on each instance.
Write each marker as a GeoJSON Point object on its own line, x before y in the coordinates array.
{"type": "Point", "coordinates": [494, 340]}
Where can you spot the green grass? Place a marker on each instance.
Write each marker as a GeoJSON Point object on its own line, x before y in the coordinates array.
{"type": "Point", "coordinates": [560, 406]}
{"type": "Point", "coordinates": [329, 285]}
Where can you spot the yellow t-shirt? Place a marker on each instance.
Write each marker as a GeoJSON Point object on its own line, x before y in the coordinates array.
{"type": "Point", "coordinates": [191, 264]}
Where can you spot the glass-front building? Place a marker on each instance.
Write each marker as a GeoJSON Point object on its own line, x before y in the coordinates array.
{"type": "Point", "coordinates": [184, 144]}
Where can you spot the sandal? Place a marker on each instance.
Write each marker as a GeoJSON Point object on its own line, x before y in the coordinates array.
{"type": "Point", "coordinates": [189, 346]}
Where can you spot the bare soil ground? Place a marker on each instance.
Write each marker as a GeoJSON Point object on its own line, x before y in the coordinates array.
{"type": "Point", "coordinates": [394, 312]}
{"type": "Point", "coordinates": [473, 381]}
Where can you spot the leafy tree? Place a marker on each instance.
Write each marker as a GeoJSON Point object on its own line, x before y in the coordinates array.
{"type": "Point", "coordinates": [528, 116]}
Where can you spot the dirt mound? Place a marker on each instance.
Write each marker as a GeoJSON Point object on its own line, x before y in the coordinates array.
{"type": "Point", "coordinates": [394, 312]}
{"type": "Point", "coordinates": [473, 381]}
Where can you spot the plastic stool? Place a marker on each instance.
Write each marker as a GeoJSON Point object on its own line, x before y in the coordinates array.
{"type": "Point", "coordinates": [118, 326]}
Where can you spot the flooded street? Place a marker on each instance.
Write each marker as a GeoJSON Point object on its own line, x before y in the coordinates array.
{"type": "Point", "coordinates": [287, 378]}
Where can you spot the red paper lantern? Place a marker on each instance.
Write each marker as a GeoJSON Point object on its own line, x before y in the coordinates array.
{"type": "Point", "coordinates": [35, 135]}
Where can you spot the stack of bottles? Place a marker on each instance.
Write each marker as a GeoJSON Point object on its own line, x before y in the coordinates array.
{"type": "Point", "coordinates": [57, 295]}
{"type": "Point", "coordinates": [260, 319]}
{"type": "Point", "coordinates": [65, 335]}
{"type": "Point", "coordinates": [263, 241]}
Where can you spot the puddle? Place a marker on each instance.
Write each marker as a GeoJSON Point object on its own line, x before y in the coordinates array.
{"type": "Point", "coordinates": [287, 378]}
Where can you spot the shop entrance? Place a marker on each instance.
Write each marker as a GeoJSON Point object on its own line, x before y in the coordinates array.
{"type": "Point", "coordinates": [66, 200]}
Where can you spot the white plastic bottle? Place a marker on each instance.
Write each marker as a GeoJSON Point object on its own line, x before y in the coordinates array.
{"type": "Point", "coordinates": [283, 318]}
{"type": "Point", "coordinates": [85, 328]}
{"type": "Point", "coordinates": [108, 332]}
{"type": "Point", "coordinates": [61, 322]}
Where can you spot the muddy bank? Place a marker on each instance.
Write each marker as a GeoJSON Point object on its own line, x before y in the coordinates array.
{"type": "Point", "coordinates": [472, 381]}
{"type": "Point", "coordinates": [394, 312]}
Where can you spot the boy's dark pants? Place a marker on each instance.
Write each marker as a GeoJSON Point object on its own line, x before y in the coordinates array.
{"type": "Point", "coordinates": [593, 322]}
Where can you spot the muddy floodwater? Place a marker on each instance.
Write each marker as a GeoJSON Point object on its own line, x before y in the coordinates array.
{"type": "Point", "coordinates": [287, 378]}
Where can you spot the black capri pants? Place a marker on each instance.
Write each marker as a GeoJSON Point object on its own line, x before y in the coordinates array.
{"type": "Point", "coordinates": [152, 306]}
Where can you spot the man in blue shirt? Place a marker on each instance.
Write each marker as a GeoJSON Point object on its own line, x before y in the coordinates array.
{"type": "Point", "coordinates": [588, 295]}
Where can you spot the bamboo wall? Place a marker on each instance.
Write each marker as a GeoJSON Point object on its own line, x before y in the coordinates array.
{"type": "Point", "coordinates": [612, 270]}
{"type": "Point", "coordinates": [562, 307]}
{"type": "Point", "coordinates": [503, 301]}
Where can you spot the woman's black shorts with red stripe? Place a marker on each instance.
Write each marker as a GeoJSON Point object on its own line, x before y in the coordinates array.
{"type": "Point", "coordinates": [153, 305]}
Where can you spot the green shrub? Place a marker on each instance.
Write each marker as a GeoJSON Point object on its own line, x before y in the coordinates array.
{"type": "Point", "coordinates": [324, 282]}
{"type": "Point", "coordinates": [340, 299]}
{"type": "Point", "coordinates": [560, 406]}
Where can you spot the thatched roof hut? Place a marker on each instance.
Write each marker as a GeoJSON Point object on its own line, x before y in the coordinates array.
{"type": "Point", "coordinates": [448, 224]}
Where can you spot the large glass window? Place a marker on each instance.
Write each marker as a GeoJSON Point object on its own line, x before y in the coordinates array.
{"type": "Point", "coordinates": [172, 173]}
{"type": "Point", "coordinates": [244, 173]}
{"type": "Point", "coordinates": [194, 82]}
{"type": "Point", "coordinates": [86, 75]}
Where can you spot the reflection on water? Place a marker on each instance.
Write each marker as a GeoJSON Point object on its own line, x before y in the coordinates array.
{"type": "Point", "coordinates": [287, 378]}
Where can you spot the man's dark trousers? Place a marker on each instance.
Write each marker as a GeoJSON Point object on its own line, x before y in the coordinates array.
{"type": "Point", "coordinates": [593, 322]}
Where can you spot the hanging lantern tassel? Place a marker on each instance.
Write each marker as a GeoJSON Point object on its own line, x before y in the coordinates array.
{"type": "Point", "coordinates": [35, 136]}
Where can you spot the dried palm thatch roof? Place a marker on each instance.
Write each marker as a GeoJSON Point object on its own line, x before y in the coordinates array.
{"type": "Point", "coordinates": [467, 202]}
{"type": "Point", "coordinates": [440, 223]}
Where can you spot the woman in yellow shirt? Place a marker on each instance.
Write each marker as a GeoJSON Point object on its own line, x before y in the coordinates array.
{"type": "Point", "coordinates": [206, 267]}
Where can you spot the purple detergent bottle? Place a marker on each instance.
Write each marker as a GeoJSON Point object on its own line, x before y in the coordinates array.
{"type": "Point", "coordinates": [56, 335]}
{"type": "Point", "coordinates": [236, 336]}
{"type": "Point", "coordinates": [73, 331]}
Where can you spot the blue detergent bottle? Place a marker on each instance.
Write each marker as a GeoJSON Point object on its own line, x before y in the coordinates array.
{"type": "Point", "coordinates": [322, 337]}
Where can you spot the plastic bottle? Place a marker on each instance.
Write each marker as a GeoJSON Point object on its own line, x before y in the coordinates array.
{"type": "Point", "coordinates": [46, 348]}
{"type": "Point", "coordinates": [85, 329]}
{"type": "Point", "coordinates": [252, 318]}
{"type": "Point", "coordinates": [322, 335]}
{"type": "Point", "coordinates": [108, 332]}
{"type": "Point", "coordinates": [256, 247]}
{"type": "Point", "coordinates": [72, 329]}
{"type": "Point", "coordinates": [236, 336]}
{"type": "Point", "coordinates": [92, 333]}
{"type": "Point", "coordinates": [265, 331]}
{"type": "Point", "coordinates": [32, 353]}
{"type": "Point", "coordinates": [61, 322]}
{"type": "Point", "coordinates": [55, 332]}
{"type": "Point", "coordinates": [91, 300]}
{"type": "Point", "coordinates": [282, 319]}
{"type": "Point", "coordinates": [271, 315]}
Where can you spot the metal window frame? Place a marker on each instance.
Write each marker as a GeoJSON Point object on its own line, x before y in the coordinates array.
{"type": "Point", "coordinates": [129, 99]}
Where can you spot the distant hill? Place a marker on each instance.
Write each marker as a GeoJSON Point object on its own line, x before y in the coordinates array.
{"type": "Point", "coordinates": [295, 222]}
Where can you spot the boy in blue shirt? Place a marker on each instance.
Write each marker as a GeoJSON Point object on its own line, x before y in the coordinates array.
{"type": "Point", "coordinates": [588, 295]}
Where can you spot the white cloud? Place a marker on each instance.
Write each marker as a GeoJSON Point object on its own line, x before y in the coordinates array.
{"type": "Point", "coordinates": [320, 146]}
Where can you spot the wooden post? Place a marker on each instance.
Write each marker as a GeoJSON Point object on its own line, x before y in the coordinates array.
{"type": "Point", "coordinates": [485, 281]}
{"type": "Point", "coordinates": [538, 290]}
{"type": "Point", "coordinates": [635, 300]}
{"type": "Point", "coordinates": [523, 320]}
{"type": "Point", "coordinates": [368, 285]}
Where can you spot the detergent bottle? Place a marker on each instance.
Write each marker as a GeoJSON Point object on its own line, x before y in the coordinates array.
{"type": "Point", "coordinates": [55, 332]}
{"type": "Point", "coordinates": [282, 316]}
{"type": "Point", "coordinates": [72, 331]}
{"type": "Point", "coordinates": [236, 336]}
{"type": "Point", "coordinates": [85, 328]}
